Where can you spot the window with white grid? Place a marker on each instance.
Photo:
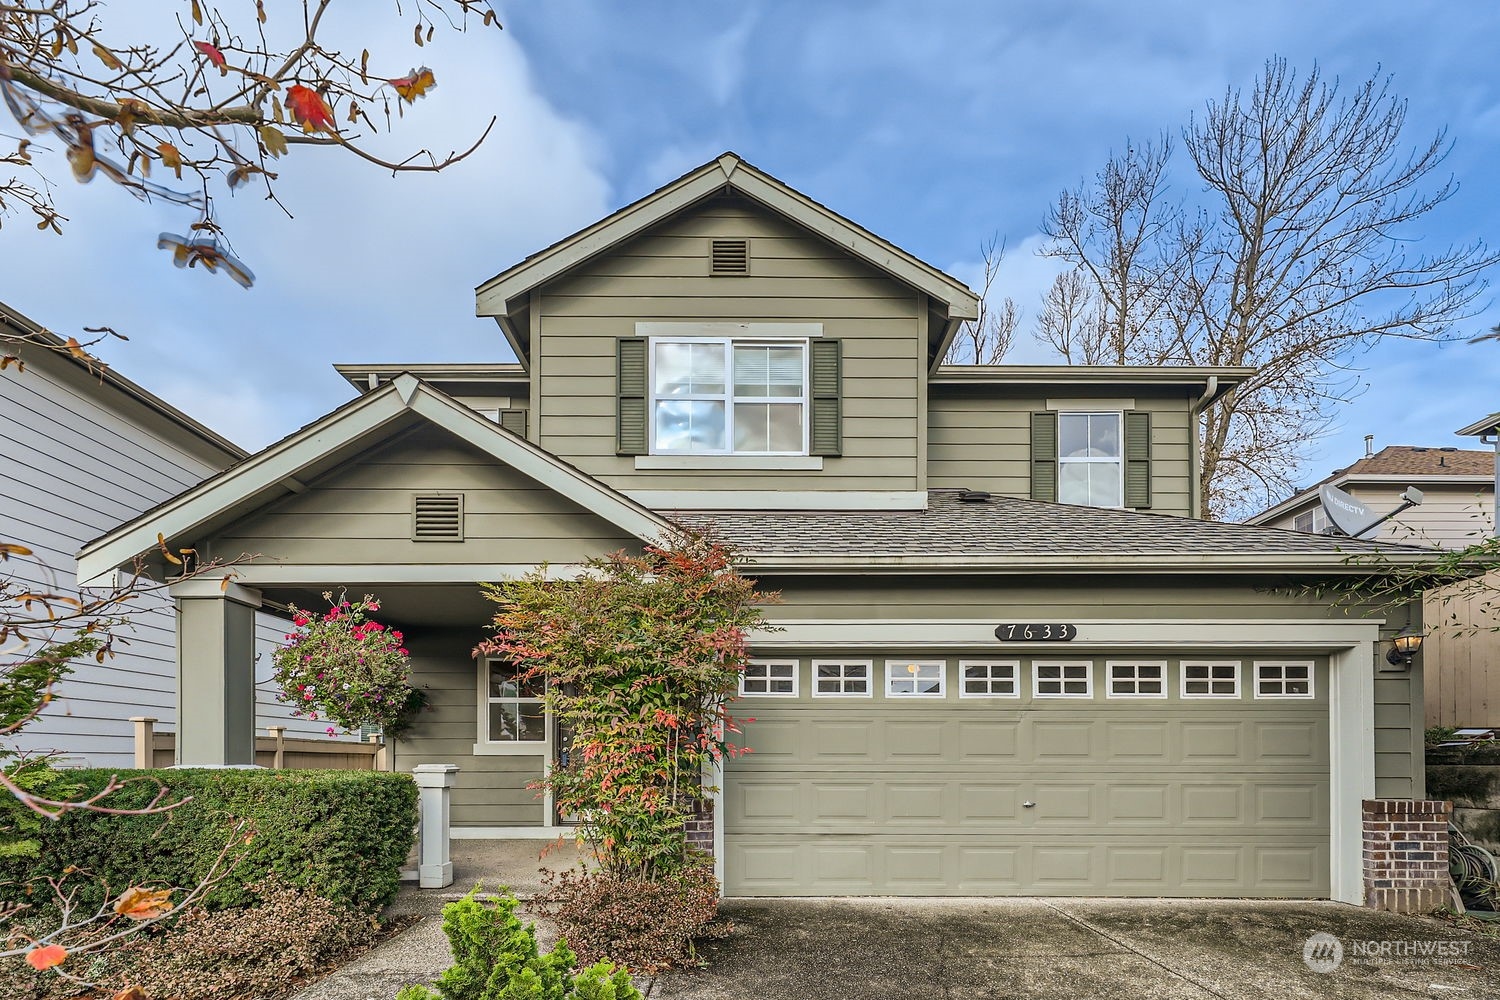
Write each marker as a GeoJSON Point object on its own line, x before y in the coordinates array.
{"type": "Point", "coordinates": [769, 679]}
{"type": "Point", "coordinates": [1059, 679]}
{"type": "Point", "coordinates": [988, 679]}
{"type": "Point", "coordinates": [916, 678]}
{"type": "Point", "coordinates": [1210, 678]}
{"type": "Point", "coordinates": [1136, 679]}
{"type": "Point", "coordinates": [1282, 679]}
{"type": "Point", "coordinates": [841, 679]}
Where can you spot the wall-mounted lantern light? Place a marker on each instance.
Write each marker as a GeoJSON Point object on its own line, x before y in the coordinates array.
{"type": "Point", "coordinates": [1404, 648]}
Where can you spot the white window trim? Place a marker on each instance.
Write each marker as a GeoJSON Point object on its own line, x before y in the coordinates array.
{"type": "Point", "coordinates": [700, 462]}
{"type": "Point", "coordinates": [1119, 415]}
{"type": "Point", "coordinates": [1312, 675]}
{"type": "Point", "coordinates": [1109, 678]}
{"type": "Point", "coordinates": [1015, 677]}
{"type": "Point", "coordinates": [728, 396]}
{"type": "Point", "coordinates": [484, 746]}
{"type": "Point", "coordinates": [901, 665]}
{"type": "Point", "coordinates": [1239, 670]}
{"type": "Point", "coordinates": [796, 690]}
{"type": "Point", "coordinates": [869, 666]}
{"type": "Point", "coordinates": [1036, 678]}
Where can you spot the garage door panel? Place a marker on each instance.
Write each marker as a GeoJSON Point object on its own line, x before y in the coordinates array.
{"type": "Point", "coordinates": [1150, 797]}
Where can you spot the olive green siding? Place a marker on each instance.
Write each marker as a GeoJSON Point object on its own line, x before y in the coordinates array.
{"type": "Point", "coordinates": [491, 790]}
{"type": "Point", "coordinates": [979, 437]}
{"type": "Point", "coordinates": [794, 277]}
{"type": "Point", "coordinates": [361, 513]}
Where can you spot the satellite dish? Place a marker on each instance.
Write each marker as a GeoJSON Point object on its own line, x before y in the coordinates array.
{"type": "Point", "coordinates": [1346, 513]}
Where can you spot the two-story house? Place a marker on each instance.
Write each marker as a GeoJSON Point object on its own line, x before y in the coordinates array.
{"type": "Point", "coordinates": [1461, 651]}
{"type": "Point", "coordinates": [1012, 658]}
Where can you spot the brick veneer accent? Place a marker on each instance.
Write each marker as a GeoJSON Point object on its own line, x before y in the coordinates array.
{"type": "Point", "coordinates": [700, 828]}
{"type": "Point", "coordinates": [1405, 854]}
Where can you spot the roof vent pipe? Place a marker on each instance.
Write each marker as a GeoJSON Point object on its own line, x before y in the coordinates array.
{"type": "Point", "coordinates": [1369, 445]}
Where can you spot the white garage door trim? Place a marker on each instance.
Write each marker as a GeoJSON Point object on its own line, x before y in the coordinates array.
{"type": "Point", "coordinates": [1351, 649]}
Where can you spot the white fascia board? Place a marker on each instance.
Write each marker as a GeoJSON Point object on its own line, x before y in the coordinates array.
{"type": "Point", "coordinates": [1269, 633]}
{"type": "Point", "coordinates": [1052, 563]}
{"type": "Point", "coordinates": [259, 472]}
{"type": "Point", "coordinates": [831, 500]}
{"type": "Point", "coordinates": [267, 573]}
{"type": "Point", "coordinates": [532, 461]}
{"type": "Point", "coordinates": [491, 298]}
{"type": "Point", "coordinates": [961, 302]}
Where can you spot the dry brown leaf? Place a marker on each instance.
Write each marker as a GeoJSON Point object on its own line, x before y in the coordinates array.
{"type": "Point", "coordinates": [144, 904]}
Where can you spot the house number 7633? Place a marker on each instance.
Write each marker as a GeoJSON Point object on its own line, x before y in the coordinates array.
{"type": "Point", "coordinates": [1044, 632]}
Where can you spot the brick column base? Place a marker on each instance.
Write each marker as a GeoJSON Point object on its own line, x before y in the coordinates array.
{"type": "Point", "coordinates": [1406, 854]}
{"type": "Point", "coordinates": [700, 829]}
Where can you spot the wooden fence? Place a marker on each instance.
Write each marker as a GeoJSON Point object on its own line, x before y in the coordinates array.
{"type": "Point", "coordinates": [1461, 655]}
{"type": "Point", "coordinates": [154, 749]}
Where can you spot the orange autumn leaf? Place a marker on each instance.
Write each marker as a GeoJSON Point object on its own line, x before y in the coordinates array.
{"type": "Point", "coordinates": [45, 957]}
{"type": "Point", "coordinates": [308, 108]}
{"type": "Point", "coordinates": [212, 53]}
{"type": "Point", "coordinates": [75, 348]}
{"type": "Point", "coordinates": [414, 84]}
{"type": "Point", "coordinates": [171, 156]}
{"type": "Point", "coordinates": [143, 904]}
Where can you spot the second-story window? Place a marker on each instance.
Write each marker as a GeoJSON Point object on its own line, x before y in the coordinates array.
{"type": "Point", "coordinates": [713, 396]}
{"type": "Point", "coordinates": [1090, 465]}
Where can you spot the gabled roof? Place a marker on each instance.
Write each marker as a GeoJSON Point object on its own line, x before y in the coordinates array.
{"type": "Point", "coordinates": [1396, 465]}
{"type": "Point", "coordinates": [29, 330]}
{"type": "Point", "coordinates": [1481, 428]}
{"type": "Point", "coordinates": [506, 293]}
{"type": "Point", "coordinates": [274, 472]}
{"type": "Point", "coordinates": [1009, 534]}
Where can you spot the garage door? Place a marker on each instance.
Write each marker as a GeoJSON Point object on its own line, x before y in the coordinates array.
{"type": "Point", "coordinates": [1136, 775]}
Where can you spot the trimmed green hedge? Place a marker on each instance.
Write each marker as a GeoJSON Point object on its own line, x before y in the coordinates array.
{"type": "Point", "coordinates": [343, 835]}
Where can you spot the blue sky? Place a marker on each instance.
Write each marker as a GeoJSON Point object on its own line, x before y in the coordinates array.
{"type": "Point", "coordinates": [936, 125]}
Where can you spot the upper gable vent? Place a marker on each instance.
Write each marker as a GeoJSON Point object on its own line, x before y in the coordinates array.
{"type": "Point", "coordinates": [729, 257]}
{"type": "Point", "coordinates": [437, 517]}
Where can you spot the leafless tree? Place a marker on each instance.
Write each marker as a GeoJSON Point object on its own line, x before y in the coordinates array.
{"type": "Point", "coordinates": [986, 339]}
{"type": "Point", "coordinates": [1294, 262]}
{"type": "Point", "coordinates": [1069, 323]}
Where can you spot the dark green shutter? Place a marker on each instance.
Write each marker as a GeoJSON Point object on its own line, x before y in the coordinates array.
{"type": "Point", "coordinates": [827, 377]}
{"type": "Point", "coordinates": [630, 392]}
{"type": "Point", "coordinates": [514, 421]}
{"type": "Point", "coordinates": [1044, 456]}
{"type": "Point", "coordinates": [1137, 459]}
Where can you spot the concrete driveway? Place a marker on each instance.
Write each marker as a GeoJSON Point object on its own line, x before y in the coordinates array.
{"type": "Point", "coordinates": [844, 949]}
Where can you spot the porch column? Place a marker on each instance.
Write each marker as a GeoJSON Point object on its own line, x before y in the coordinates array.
{"type": "Point", "coordinates": [215, 672]}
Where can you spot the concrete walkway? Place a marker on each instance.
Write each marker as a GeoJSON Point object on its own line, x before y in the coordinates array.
{"type": "Point", "coordinates": [1036, 949]}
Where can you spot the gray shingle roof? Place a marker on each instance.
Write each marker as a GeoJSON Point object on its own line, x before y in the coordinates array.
{"type": "Point", "coordinates": [1011, 529]}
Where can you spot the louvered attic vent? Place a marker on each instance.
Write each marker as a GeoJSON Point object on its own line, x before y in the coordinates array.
{"type": "Point", "coordinates": [437, 517]}
{"type": "Point", "coordinates": [729, 257]}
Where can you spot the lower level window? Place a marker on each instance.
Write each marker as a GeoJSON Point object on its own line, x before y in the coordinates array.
{"type": "Point", "coordinates": [915, 679]}
{"type": "Point", "coordinates": [1062, 680]}
{"type": "Point", "coordinates": [1137, 680]}
{"type": "Point", "coordinates": [515, 711]}
{"type": "Point", "coordinates": [835, 678]}
{"type": "Point", "coordinates": [1283, 680]}
{"type": "Point", "coordinates": [987, 679]}
{"type": "Point", "coordinates": [1204, 679]}
{"type": "Point", "coordinates": [770, 677]}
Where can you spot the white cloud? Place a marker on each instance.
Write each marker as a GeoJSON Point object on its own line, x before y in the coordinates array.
{"type": "Point", "coordinates": [1025, 275]}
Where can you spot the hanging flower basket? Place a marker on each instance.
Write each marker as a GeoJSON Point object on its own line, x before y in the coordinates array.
{"type": "Point", "coordinates": [347, 669]}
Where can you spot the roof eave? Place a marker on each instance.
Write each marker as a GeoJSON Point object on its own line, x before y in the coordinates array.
{"type": "Point", "coordinates": [1279, 565]}
{"type": "Point", "coordinates": [1481, 428]}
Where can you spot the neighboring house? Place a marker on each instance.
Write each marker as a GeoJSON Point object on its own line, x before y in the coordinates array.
{"type": "Point", "coordinates": [81, 450]}
{"type": "Point", "coordinates": [1157, 716]}
{"type": "Point", "coordinates": [1462, 647]}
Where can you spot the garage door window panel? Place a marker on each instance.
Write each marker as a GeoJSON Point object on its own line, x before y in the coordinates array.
{"type": "Point", "coordinates": [1136, 679]}
{"type": "Point", "coordinates": [769, 679]}
{"type": "Point", "coordinates": [1211, 679]}
{"type": "Point", "coordinates": [1283, 679]}
{"type": "Point", "coordinates": [1062, 679]}
{"type": "Point", "coordinates": [989, 679]}
{"type": "Point", "coordinates": [916, 678]}
{"type": "Point", "coordinates": [842, 679]}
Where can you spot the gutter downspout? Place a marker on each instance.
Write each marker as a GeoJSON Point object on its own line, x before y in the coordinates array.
{"type": "Point", "coordinates": [1210, 392]}
{"type": "Point", "coordinates": [1494, 439]}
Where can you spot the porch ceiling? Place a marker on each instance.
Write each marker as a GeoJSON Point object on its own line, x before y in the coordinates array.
{"type": "Point", "coordinates": [406, 606]}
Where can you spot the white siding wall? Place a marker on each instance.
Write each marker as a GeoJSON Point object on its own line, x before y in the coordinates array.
{"type": "Point", "coordinates": [77, 458]}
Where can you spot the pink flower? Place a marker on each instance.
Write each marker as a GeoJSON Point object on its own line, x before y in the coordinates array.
{"type": "Point", "coordinates": [373, 605]}
{"type": "Point", "coordinates": [299, 622]}
{"type": "Point", "coordinates": [403, 651]}
{"type": "Point", "coordinates": [374, 627]}
{"type": "Point", "coordinates": [308, 696]}
{"type": "Point", "coordinates": [313, 716]}
{"type": "Point", "coordinates": [330, 730]}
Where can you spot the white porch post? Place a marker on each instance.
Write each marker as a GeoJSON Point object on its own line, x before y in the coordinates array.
{"type": "Point", "coordinates": [215, 672]}
{"type": "Point", "coordinates": [1351, 737]}
{"type": "Point", "coordinates": [435, 791]}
